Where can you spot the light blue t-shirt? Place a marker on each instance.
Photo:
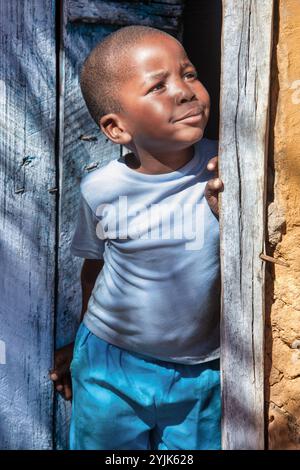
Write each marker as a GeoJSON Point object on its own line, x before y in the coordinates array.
{"type": "Point", "coordinates": [158, 293]}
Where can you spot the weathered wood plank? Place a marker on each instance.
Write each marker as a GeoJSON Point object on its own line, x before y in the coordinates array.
{"type": "Point", "coordinates": [27, 222]}
{"type": "Point", "coordinates": [159, 15]}
{"type": "Point", "coordinates": [246, 46]}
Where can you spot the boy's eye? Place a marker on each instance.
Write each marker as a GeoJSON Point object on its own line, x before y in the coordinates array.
{"type": "Point", "coordinates": [192, 74]}
{"type": "Point", "coordinates": [160, 85]}
{"type": "Point", "coordinates": [157, 87]}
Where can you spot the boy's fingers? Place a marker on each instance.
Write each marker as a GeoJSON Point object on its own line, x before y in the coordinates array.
{"type": "Point", "coordinates": [53, 375]}
{"type": "Point", "coordinates": [64, 388]}
{"type": "Point", "coordinates": [57, 378]}
{"type": "Point", "coordinates": [213, 202]}
{"type": "Point", "coordinates": [58, 371]}
{"type": "Point", "coordinates": [214, 185]}
{"type": "Point", "coordinates": [213, 164]}
{"type": "Point", "coordinates": [67, 389]}
{"type": "Point", "coordinates": [57, 375]}
{"type": "Point", "coordinates": [67, 392]}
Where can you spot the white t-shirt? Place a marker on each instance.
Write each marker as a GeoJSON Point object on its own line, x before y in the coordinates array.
{"type": "Point", "coordinates": [158, 293]}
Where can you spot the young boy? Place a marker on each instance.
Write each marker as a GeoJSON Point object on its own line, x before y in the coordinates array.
{"type": "Point", "coordinates": [145, 365]}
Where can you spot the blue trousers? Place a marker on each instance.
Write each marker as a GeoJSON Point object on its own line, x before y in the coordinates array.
{"type": "Point", "coordinates": [123, 400]}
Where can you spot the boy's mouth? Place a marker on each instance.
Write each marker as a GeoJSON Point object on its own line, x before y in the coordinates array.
{"type": "Point", "coordinates": [191, 115]}
{"type": "Point", "coordinates": [191, 119]}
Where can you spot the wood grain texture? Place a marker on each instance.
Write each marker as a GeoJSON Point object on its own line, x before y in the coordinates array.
{"type": "Point", "coordinates": [164, 15]}
{"type": "Point", "coordinates": [246, 53]}
{"type": "Point", "coordinates": [27, 223]}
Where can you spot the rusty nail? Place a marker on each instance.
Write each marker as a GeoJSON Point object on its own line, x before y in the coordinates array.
{"type": "Point", "coordinates": [91, 166]}
{"type": "Point", "coordinates": [88, 138]}
{"type": "Point", "coordinates": [273, 260]}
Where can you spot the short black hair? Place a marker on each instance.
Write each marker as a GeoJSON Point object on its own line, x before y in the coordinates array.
{"type": "Point", "coordinates": [104, 69]}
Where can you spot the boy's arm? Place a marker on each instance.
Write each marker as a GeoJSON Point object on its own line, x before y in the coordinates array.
{"type": "Point", "coordinates": [60, 374]}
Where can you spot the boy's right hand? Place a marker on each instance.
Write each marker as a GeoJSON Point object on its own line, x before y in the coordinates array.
{"type": "Point", "coordinates": [213, 187]}
{"type": "Point", "coordinates": [60, 374]}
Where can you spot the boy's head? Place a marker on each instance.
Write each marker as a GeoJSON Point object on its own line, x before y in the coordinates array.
{"type": "Point", "coordinates": [138, 84]}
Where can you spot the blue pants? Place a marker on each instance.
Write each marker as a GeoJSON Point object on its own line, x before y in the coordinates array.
{"type": "Point", "coordinates": [123, 400]}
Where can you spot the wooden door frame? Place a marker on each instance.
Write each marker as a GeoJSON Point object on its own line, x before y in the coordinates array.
{"type": "Point", "coordinates": [243, 139]}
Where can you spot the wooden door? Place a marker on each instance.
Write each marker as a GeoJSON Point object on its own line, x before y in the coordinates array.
{"type": "Point", "coordinates": [28, 222]}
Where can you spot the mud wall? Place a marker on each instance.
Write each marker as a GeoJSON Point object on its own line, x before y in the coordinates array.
{"type": "Point", "coordinates": [283, 234]}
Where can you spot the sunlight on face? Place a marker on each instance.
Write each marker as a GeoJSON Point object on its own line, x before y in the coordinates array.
{"type": "Point", "coordinates": [161, 87]}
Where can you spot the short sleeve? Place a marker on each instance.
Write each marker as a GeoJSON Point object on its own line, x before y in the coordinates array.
{"type": "Point", "coordinates": [85, 242]}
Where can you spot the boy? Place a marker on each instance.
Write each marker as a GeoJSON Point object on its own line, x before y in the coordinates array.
{"type": "Point", "coordinates": [145, 365]}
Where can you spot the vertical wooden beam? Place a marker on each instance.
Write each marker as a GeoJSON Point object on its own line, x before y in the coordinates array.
{"type": "Point", "coordinates": [27, 222]}
{"type": "Point", "coordinates": [246, 54]}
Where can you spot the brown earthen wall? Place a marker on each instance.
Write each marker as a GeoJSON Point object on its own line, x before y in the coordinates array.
{"type": "Point", "coordinates": [283, 239]}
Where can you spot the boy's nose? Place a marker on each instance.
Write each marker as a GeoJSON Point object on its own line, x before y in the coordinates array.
{"type": "Point", "coordinates": [182, 92]}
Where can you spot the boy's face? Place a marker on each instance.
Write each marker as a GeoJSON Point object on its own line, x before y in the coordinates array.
{"type": "Point", "coordinates": [153, 106]}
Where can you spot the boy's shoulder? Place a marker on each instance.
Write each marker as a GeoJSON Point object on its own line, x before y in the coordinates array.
{"type": "Point", "coordinates": [101, 177]}
{"type": "Point", "coordinates": [95, 176]}
{"type": "Point", "coordinates": [107, 181]}
{"type": "Point", "coordinates": [98, 182]}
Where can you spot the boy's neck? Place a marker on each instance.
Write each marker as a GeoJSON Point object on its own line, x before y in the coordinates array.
{"type": "Point", "coordinates": [156, 165]}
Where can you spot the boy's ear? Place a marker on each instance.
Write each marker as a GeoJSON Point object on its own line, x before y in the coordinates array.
{"type": "Point", "coordinates": [112, 126]}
